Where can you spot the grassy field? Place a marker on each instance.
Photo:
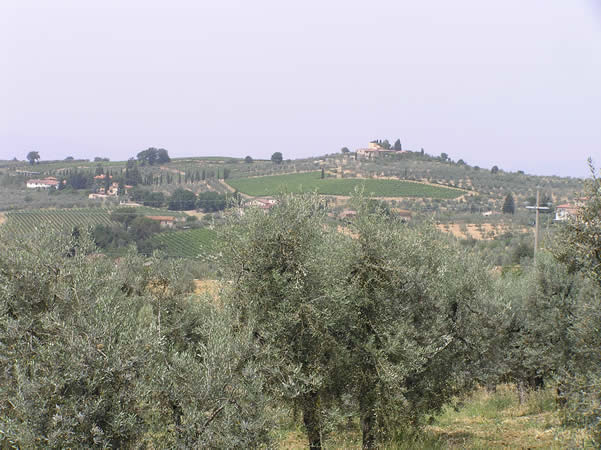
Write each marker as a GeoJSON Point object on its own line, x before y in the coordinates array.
{"type": "Point", "coordinates": [65, 219]}
{"type": "Point", "coordinates": [311, 181]}
{"type": "Point", "coordinates": [57, 219]}
{"type": "Point", "coordinates": [188, 243]}
{"type": "Point", "coordinates": [484, 420]}
{"type": "Point", "coordinates": [150, 211]}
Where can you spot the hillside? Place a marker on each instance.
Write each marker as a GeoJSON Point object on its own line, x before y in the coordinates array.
{"type": "Point", "coordinates": [312, 182]}
{"type": "Point", "coordinates": [428, 187]}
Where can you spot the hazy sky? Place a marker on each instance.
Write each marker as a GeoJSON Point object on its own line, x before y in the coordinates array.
{"type": "Point", "coordinates": [516, 83]}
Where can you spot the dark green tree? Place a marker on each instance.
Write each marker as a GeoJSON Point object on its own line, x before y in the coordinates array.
{"type": "Point", "coordinates": [344, 150]}
{"type": "Point", "coordinates": [277, 158]}
{"type": "Point", "coordinates": [124, 215]}
{"type": "Point", "coordinates": [80, 180]}
{"type": "Point", "coordinates": [182, 200]}
{"type": "Point", "coordinates": [154, 199]}
{"type": "Point", "coordinates": [211, 201]}
{"type": "Point", "coordinates": [142, 228]}
{"type": "Point", "coordinates": [33, 157]}
{"type": "Point", "coordinates": [248, 160]}
{"type": "Point", "coordinates": [153, 155]}
{"type": "Point", "coordinates": [397, 145]}
{"type": "Point", "coordinates": [385, 144]}
{"type": "Point", "coordinates": [163, 156]}
{"type": "Point", "coordinates": [509, 204]}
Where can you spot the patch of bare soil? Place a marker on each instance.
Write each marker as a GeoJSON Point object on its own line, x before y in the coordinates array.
{"type": "Point", "coordinates": [198, 214]}
{"type": "Point", "coordinates": [480, 232]}
{"type": "Point", "coordinates": [210, 287]}
{"type": "Point", "coordinates": [2, 218]}
{"type": "Point", "coordinates": [168, 169]}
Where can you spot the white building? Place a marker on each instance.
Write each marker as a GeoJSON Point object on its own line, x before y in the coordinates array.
{"type": "Point", "coordinates": [45, 183]}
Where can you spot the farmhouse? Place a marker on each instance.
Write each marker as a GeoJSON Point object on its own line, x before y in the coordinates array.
{"type": "Point", "coordinates": [375, 150]}
{"type": "Point", "coordinates": [565, 212]}
{"type": "Point", "coordinates": [110, 192]}
{"type": "Point", "coordinates": [164, 221]}
{"type": "Point", "coordinates": [263, 203]}
{"type": "Point", "coordinates": [44, 183]}
{"type": "Point", "coordinates": [97, 196]}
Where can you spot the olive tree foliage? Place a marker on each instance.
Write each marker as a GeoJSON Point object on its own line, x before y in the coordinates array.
{"type": "Point", "coordinates": [277, 263]}
{"type": "Point", "coordinates": [415, 321]}
{"type": "Point", "coordinates": [386, 322]}
{"type": "Point", "coordinates": [580, 249]}
{"type": "Point", "coordinates": [537, 333]}
{"type": "Point", "coordinates": [97, 353]}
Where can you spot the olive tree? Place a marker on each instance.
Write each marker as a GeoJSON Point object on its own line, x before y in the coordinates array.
{"type": "Point", "coordinates": [537, 333]}
{"type": "Point", "coordinates": [580, 248]}
{"type": "Point", "coordinates": [415, 320]}
{"type": "Point", "coordinates": [97, 353]}
{"type": "Point", "coordinates": [277, 264]}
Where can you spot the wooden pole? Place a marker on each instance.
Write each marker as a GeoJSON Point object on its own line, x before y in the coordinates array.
{"type": "Point", "coordinates": [536, 222]}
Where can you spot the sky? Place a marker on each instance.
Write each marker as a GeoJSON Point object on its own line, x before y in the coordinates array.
{"type": "Point", "coordinates": [512, 83]}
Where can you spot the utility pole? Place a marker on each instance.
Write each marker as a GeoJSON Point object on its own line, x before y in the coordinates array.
{"type": "Point", "coordinates": [538, 208]}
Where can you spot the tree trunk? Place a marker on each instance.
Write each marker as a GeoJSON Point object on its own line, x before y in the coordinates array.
{"type": "Point", "coordinates": [368, 416]}
{"type": "Point", "coordinates": [311, 420]}
{"type": "Point", "coordinates": [522, 392]}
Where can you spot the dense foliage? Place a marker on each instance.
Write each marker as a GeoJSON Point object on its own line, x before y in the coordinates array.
{"type": "Point", "coordinates": [390, 321]}
{"type": "Point", "coordinates": [97, 353]}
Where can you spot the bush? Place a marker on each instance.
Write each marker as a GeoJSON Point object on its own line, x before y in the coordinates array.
{"type": "Point", "coordinates": [95, 355]}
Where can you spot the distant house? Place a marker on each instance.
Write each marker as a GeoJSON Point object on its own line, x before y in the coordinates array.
{"type": "Point", "coordinates": [164, 221]}
{"type": "Point", "coordinates": [263, 203]}
{"type": "Point", "coordinates": [97, 196]}
{"type": "Point", "coordinates": [44, 183]}
{"type": "Point", "coordinates": [375, 150]}
{"type": "Point", "coordinates": [112, 191]}
{"type": "Point", "coordinates": [565, 212]}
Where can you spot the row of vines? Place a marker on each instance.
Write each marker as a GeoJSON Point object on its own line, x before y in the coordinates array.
{"type": "Point", "coordinates": [28, 221]}
{"type": "Point", "coordinates": [194, 243]}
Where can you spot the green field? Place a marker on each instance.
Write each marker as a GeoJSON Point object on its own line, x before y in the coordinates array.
{"type": "Point", "coordinates": [65, 219]}
{"type": "Point", "coordinates": [150, 211]}
{"type": "Point", "coordinates": [188, 243]}
{"type": "Point", "coordinates": [311, 181]}
{"type": "Point", "coordinates": [57, 219]}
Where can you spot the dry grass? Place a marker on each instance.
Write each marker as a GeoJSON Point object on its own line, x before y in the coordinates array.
{"type": "Point", "coordinates": [210, 287]}
{"type": "Point", "coordinates": [485, 420]}
{"type": "Point", "coordinates": [497, 420]}
{"type": "Point", "coordinates": [2, 218]}
{"type": "Point", "coordinates": [485, 231]}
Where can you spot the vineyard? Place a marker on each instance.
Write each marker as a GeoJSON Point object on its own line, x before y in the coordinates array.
{"type": "Point", "coordinates": [187, 244]}
{"type": "Point", "coordinates": [150, 211]}
{"type": "Point", "coordinates": [56, 219]}
{"type": "Point", "coordinates": [312, 181]}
